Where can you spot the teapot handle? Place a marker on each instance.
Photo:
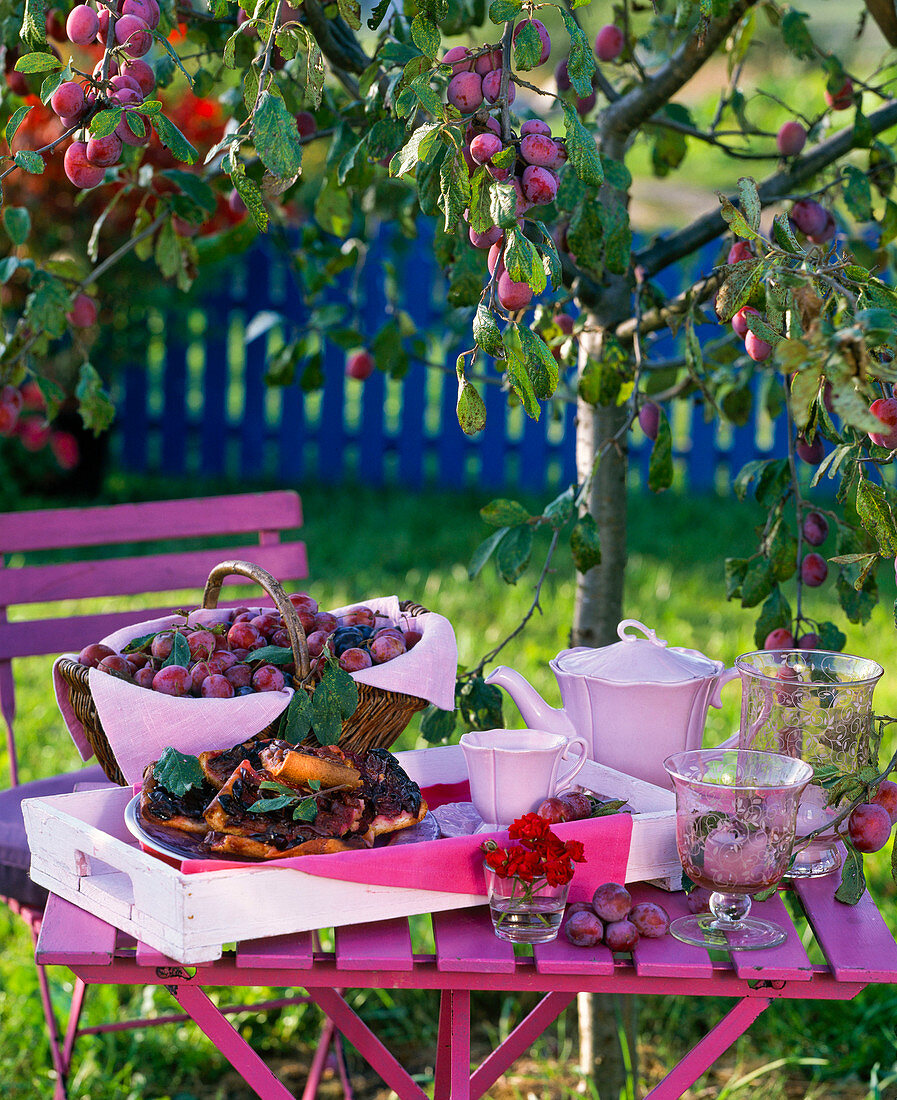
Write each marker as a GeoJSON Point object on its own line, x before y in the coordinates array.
{"type": "Point", "coordinates": [650, 634]}
{"type": "Point", "coordinates": [716, 699]}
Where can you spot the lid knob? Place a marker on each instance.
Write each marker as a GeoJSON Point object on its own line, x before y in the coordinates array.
{"type": "Point", "coordinates": [624, 635]}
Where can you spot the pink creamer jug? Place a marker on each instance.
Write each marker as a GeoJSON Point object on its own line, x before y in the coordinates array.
{"type": "Point", "coordinates": [635, 702]}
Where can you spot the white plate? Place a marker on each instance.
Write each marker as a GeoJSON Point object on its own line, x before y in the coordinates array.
{"type": "Point", "coordinates": [168, 842]}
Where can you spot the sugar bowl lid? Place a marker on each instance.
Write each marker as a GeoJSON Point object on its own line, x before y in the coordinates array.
{"type": "Point", "coordinates": [636, 660]}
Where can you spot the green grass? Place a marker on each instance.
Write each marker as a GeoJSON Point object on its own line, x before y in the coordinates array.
{"type": "Point", "coordinates": [364, 543]}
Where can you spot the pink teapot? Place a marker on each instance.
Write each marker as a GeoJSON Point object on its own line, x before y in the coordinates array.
{"type": "Point", "coordinates": [635, 702]}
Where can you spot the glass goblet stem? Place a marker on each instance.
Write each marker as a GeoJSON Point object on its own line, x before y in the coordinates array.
{"type": "Point", "coordinates": [729, 910]}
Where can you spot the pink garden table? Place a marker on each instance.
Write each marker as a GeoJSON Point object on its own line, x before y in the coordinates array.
{"type": "Point", "coordinates": [855, 943]}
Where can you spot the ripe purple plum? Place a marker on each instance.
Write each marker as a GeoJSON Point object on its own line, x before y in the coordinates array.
{"type": "Point", "coordinates": [82, 25]}
{"type": "Point", "coordinates": [564, 322]}
{"type": "Point", "coordinates": [492, 87]}
{"type": "Point", "coordinates": [137, 660]}
{"type": "Point", "coordinates": [791, 138]}
{"type": "Point", "coordinates": [649, 419]}
{"type": "Point", "coordinates": [886, 796]}
{"type": "Point", "coordinates": [808, 216]}
{"type": "Point", "coordinates": [386, 648]}
{"type": "Point", "coordinates": [869, 827]}
{"type": "Point", "coordinates": [609, 42]}
{"type": "Point", "coordinates": [780, 638]}
{"type": "Point", "coordinates": [553, 811]}
{"type": "Point", "coordinates": [359, 365]}
{"type": "Point", "coordinates": [535, 126]}
{"type": "Point", "coordinates": [123, 128]}
{"type": "Point", "coordinates": [621, 935]}
{"type": "Point", "coordinates": [303, 599]}
{"type": "Point", "coordinates": [268, 678]}
{"type": "Point", "coordinates": [68, 100]}
{"type": "Point", "coordinates": [485, 240]}
{"type": "Point", "coordinates": [316, 642]}
{"type": "Point", "coordinates": [810, 640]}
{"type": "Point", "coordinates": [487, 62]}
{"type": "Point", "coordinates": [244, 635]}
{"type": "Point", "coordinates": [83, 313]}
{"type": "Point", "coordinates": [202, 644]}
{"type": "Point", "coordinates": [812, 453]}
{"type": "Point", "coordinates": [484, 147]}
{"type": "Point", "coordinates": [133, 35]}
{"type": "Point", "coordinates": [143, 677]}
{"type": "Point", "coordinates": [465, 91]}
{"type": "Point", "coordinates": [540, 185]}
{"type": "Point", "coordinates": [147, 10]}
{"type": "Point", "coordinates": [562, 77]}
{"type": "Point", "coordinates": [813, 569]}
{"type": "Point", "coordinates": [827, 232]}
{"type": "Point", "coordinates": [198, 673]}
{"type": "Point", "coordinates": [612, 902]}
{"type": "Point", "coordinates": [578, 804]}
{"type": "Point", "coordinates": [142, 73]}
{"type": "Point", "coordinates": [739, 321]}
{"type": "Point", "coordinates": [512, 295]}
{"type": "Point", "coordinates": [495, 257]}
{"type": "Point", "coordinates": [885, 408]}
{"type": "Point", "coordinates": [354, 659]}
{"type": "Point", "coordinates": [815, 528]}
{"type": "Point", "coordinates": [584, 104]}
{"type": "Point", "coordinates": [173, 680]}
{"type": "Point", "coordinates": [78, 168]}
{"type": "Point", "coordinates": [358, 616]}
{"type": "Point", "coordinates": [583, 929]}
{"type": "Point", "coordinates": [239, 675]}
{"type": "Point", "coordinates": [651, 920]}
{"type": "Point", "coordinates": [117, 665]}
{"type": "Point", "coordinates": [739, 252]}
{"type": "Point", "coordinates": [758, 349]}
{"type": "Point", "coordinates": [698, 900]}
{"type": "Point", "coordinates": [122, 80]}
{"type": "Point", "coordinates": [459, 58]}
{"type": "Point", "coordinates": [412, 637]}
{"type": "Point", "coordinates": [544, 37]}
{"type": "Point", "coordinates": [161, 645]}
{"type": "Point", "coordinates": [326, 622]}
{"type": "Point", "coordinates": [306, 124]}
{"type": "Point", "coordinates": [267, 624]}
{"type": "Point", "coordinates": [538, 149]}
{"type": "Point", "coordinates": [216, 686]}
{"type": "Point", "coordinates": [104, 151]}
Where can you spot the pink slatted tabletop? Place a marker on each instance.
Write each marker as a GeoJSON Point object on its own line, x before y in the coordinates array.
{"type": "Point", "coordinates": [854, 942]}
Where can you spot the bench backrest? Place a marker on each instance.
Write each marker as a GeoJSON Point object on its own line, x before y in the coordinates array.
{"type": "Point", "coordinates": [245, 526]}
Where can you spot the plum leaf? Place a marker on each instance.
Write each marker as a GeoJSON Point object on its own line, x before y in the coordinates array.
{"type": "Point", "coordinates": [527, 47]}
{"type": "Point", "coordinates": [177, 772]}
{"type": "Point", "coordinates": [471, 409]}
{"type": "Point", "coordinates": [276, 138]}
{"type": "Point", "coordinates": [582, 149]}
{"type": "Point", "coordinates": [513, 553]}
{"type": "Point", "coordinates": [660, 464]}
{"type": "Point", "coordinates": [485, 331]}
{"type": "Point", "coordinates": [581, 65]}
{"type": "Point", "coordinates": [425, 35]}
{"type": "Point", "coordinates": [484, 552]}
{"type": "Point", "coordinates": [37, 63]}
{"type": "Point", "coordinates": [877, 516]}
{"type": "Point", "coordinates": [180, 652]}
{"type": "Point", "coordinates": [585, 543]}
{"type": "Point", "coordinates": [295, 722]}
{"type": "Point", "coordinates": [504, 513]}
{"type": "Point", "coordinates": [172, 138]}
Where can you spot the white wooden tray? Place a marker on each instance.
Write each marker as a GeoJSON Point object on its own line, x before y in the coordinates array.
{"type": "Point", "coordinates": [82, 850]}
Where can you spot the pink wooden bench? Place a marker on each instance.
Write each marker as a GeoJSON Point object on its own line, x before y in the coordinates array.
{"type": "Point", "coordinates": [259, 527]}
{"type": "Point", "coordinates": [856, 945]}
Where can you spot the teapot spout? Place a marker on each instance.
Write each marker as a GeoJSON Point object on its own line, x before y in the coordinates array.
{"type": "Point", "coordinates": [537, 714]}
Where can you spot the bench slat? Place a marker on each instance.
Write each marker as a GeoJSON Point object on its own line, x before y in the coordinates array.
{"type": "Point", "coordinates": [857, 943]}
{"type": "Point", "coordinates": [65, 924]}
{"type": "Point", "coordinates": [380, 945]}
{"type": "Point", "coordinates": [466, 940]}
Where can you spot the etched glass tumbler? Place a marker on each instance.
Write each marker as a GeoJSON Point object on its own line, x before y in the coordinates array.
{"type": "Point", "coordinates": [816, 706]}
{"type": "Point", "coordinates": [735, 817]}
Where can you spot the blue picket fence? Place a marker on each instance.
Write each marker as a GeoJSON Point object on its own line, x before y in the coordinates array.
{"type": "Point", "coordinates": [199, 404]}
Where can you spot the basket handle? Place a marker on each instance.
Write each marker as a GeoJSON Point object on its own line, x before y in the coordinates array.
{"type": "Point", "coordinates": [263, 578]}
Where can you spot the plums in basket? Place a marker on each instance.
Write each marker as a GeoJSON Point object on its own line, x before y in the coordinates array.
{"type": "Point", "coordinates": [346, 638]}
{"type": "Point", "coordinates": [116, 665]}
{"type": "Point", "coordinates": [412, 637]}
{"type": "Point", "coordinates": [160, 647]}
{"type": "Point", "coordinates": [354, 659]}
{"type": "Point", "coordinates": [91, 655]}
{"type": "Point", "coordinates": [244, 635]}
{"type": "Point", "coordinates": [202, 644]}
{"type": "Point", "coordinates": [326, 622]}
{"type": "Point", "coordinates": [240, 675]}
{"type": "Point", "coordinates": [198, 672]}
{"type": "Point", "coordinates": [267, 625]}
{"type": "Point", "coordinates": [358, 616]}
{"type": "Point", "coordinates": [385, 647]}
{"type": "Point", "coordinates": [143, 677]}
{"type": "Point", "coordinates": [173, 680]}
{"type": "Point", "coordinates": [583, 929]}
{"type": "Point", "coordinates": [221, 660]}
{"type": "Point", "coordinates": [217, 686]}
{"type": "Point", "coordinates": [316, 642]}
{"type": "Point", "coordinates": [137, 660]}
{"type": "Point", "coordinates": [267, 678]}
{"type": "Point", "coordinates": [302, 599]}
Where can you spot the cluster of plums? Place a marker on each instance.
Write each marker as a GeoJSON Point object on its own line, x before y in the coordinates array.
{"type": "Point", "coordinates": [218, 660]}
{"type": "Point", "coordinates": [612, 919]}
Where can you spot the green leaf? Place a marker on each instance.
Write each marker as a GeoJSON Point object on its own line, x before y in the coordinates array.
{"type": "Point", "coordinates": [437, 725]}
{"type": "Point", "coordinates": [585, 543]}
{"type": "Point", "coordinates": [307, 810]}
{"type": "Point", "coordinates": [295, 722]}
{"type": "Point", "coordinates": [15, 122]}
{"type": "Point", "coordinates": [504, 513]}
{"type": "Point", "coordinates": [877, 516]}
{"type": "Point", "coordinates": [858, 193]}
{"type": "Point", "coordinates": [470, 409]}
{"type": "Point", "coordinates": [750, 201]}
{"type": "Point", "coordinates": [341, 687]}
{"type": "Point", "coordinates": [581, 148]}
{"type": "Point", "coordinates": [501, 11]}
{"type": "Point", "coordinates": [50, 83]}
{"type": "Point", "coordinates": [513, 553]}
{"type": "Point", "coordinates": [736, 290]}
{"type": "Point", "coordinates": [33, 31]}
{"type": "Point", "coordinates": [581, 65]}
{"type": "Point", "coordinates": [736, 221]}
{"type": "Point", "coordinates": [454, 189]}
{"type": "Point", "coordinates": [660, 464]}
{"type": "Point", "coordinates": [760, 328]}
{"type": "Point", "coordinates": [378, 14]}
{"type": "Point", "coordinates": [560, 510]}
{"type": "Point", "coordinates": [272, 655]}
{"type": "Point", "coordinates": [853, 881]}
{"type": "Point", "coordinates": [269, 805]}
{"type": "Point", "coordinates": [47, 305]}
{"type": "Point", "coordinates": [480, 703]}
{"type": "Point", "coordinates": [350, 10]}
{"type": "Point", "coordinates": [177, 772]}
{"type": "Point", "coordinates": [276, 138]}
{"type": "Point", "coordinates": [37, 63]}
{"type": "Point", "coordinates": [735, 571]}
{"type": "Point", "coordinates": [415, 149]}
{"type": "Point", "coordinates": [168, 251]}
{"type": "Point", "coordinates": [96, 409]}
{"type": "Point", "coordinates": [173, 140]}
{"type": "Point", "coordinates": [522, 261]}
{"type": "Point", "coordinates": [784, 235]}
{"type": "Point", "coordinates": [758, 583]}
{"type": "Point", "coordinates": [425, 35]}
{"type": "Point", "coordinates": [796, 36]}
{"type": "Point", "coordinates": [484, 552]}
{"type": "Point", "coordinates": [503, 205]}
{"type": "Point", "coordinates": [17, 223]}
{"type": "Point", "coordinates": [527, 47]}
{"type": "Point", "coordinates": [30, 161]}
{"type": "Point", "coordinates": [775, 613]}
{"type": "Point", "coordinates": [485, 331]}
{"type": "Point", "coordinates": [180, 652]}
{"type": "Point", "coordinates": [541, 365]}
{"type": "Point", "coordinates": [193, 187]}
{"type": "Point", "coordinates": [518, 375]}
{"type": "Point", "coordinates": [616, 233]}
{"type": "Point", "coordinates": [250, 193]}
{"type": "Point", "coordinates": [480, 213]}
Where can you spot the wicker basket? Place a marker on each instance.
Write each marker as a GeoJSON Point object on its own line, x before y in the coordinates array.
{"type": "Point", "coordinates": [379, 718]}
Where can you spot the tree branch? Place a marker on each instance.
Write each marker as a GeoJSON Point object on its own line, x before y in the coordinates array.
{"type": "Point", "coordinates": [338, 44]}
{"type": "Point", "coordinates": [627, 113]}
{"type": "Point", "coordinates": [773, 189]}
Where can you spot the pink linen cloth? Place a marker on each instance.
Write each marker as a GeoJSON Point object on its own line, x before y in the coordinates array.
{"type": "Point", "coordinates": [139, 724]}
{"type": "Point", "coordinates": [458, 867]}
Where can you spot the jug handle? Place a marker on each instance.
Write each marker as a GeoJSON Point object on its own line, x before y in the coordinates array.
{"type": "Point", "coordinates": [716, 699]}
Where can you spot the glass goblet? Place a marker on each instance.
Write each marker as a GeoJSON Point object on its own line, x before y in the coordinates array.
{"type": "Point", "coordinates": [735, 819]}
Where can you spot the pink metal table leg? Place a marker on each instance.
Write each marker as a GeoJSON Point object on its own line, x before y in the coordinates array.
{"type": "Point", "coordinates": [368, 1045]}
{"type": "Point", "coordinates": [714, 1044]}
{"type": "Point", "coordinates": [453, 1051]}
{"type": "Point", "coordinates": [316, 1070]}
{"type": "Point", "coordinates": [518, 1042]}
{"type": "Point", "coordinates": [232, 1045]}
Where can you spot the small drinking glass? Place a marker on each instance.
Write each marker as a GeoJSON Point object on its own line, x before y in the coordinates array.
{"type": "Point", "coordinates": [735, 819]}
